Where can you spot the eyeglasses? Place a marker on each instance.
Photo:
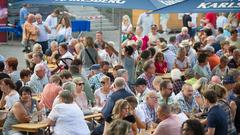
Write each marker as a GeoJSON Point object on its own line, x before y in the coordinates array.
{"type": "Point", "coordinates": [80, 84]}
{"type": "Point", "coordinates": [154, 97]}
{"type": "Point", "coordinates": [102, 83]}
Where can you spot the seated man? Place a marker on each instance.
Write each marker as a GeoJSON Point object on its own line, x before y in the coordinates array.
{"type": "Point", "coordinates": [65, 76]}
{"type": "Point", "coordinates": [170, 124]}
{"type": "Point", "coordinates": [94, 80]}
{"type": "Point", "coordinates": [11, 67]}
{"type": "Point", "coordinates": [25, 76]}
{"type": "Point", "coordinates": [141, 89]}
{"type": "Point", "coordinates": [203, 68]}
{"type": "Point", "coordinates": [119, 93]}
{"type": "Point", "coordinates": [166, 95]}
{"type": "Point", "coordinates": [50, 92]}
{"type": "Point", "coordinates": [186, 100]}
{"type": "Point", "coordinates": [38, 79]}
{"type": "Point", "coordinates": [149, 107]}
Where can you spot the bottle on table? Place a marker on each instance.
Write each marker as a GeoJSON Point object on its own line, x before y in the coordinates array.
{"type": "Point", "coordinates": [34, 118]}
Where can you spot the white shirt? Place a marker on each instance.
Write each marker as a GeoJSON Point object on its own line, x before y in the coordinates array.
{"type": "Point", "coordinates": [111, 59]}
{"type": "Point", "coordinates": [221, 21]}
{"type": "Point", "coordinates": [52, 23]}
{"type": "Point", "coordinates": [11, 99]}
{"type": "Point", "coordinates": [66, 32]}
{"type": "Point", "coordinates": [43, 34]}
{"type": "Point", "coordinates": [145, 20]}
{"type": "Point", "coordinates": [69, 120]}
{"type": "Point", "coordinates": [169, 57]}
{"type": "Point", "coordinates": [67, 55]}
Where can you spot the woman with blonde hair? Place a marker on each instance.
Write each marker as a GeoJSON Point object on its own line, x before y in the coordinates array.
{"type": "Point", "coordinates": [126, 27]}
{"type": "Point", "coordinates": [37, 48]}
{"type": "Point", "coordinates": [64, 30]}
{"type": "Point", "coordinates": [181, 62]}
{"type": "Point", "coordinates": [119, 127]}
{"type": "Point", "coordinates": [79, 95]}
{"type": "Point", "coordinates": [199, 87]}
{"type": "Point", "coordinates": [121, 111]}
{"type": "Point", "coordinates": [102, 94]}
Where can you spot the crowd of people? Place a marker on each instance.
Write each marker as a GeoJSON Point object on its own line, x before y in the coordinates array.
{"type": "Point", "coordinates": [201, 95]}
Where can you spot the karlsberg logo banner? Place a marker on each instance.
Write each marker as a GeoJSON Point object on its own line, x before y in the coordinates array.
{"type": "Point", "coordinates": [96, 1]}
{"type": "Point", "coordinates": [219, 5]}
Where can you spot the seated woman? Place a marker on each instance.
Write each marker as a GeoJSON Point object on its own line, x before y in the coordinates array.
{"type": "Point", "coordinates": [67, 118]}
{"type": "Point", "coordinates": [37, 48]}
{"type": "Point", "coordinates": [121, 111]}
{"type": "Point", "coordinates": [21, 111]}
{"type": "Point", "coordinates": [182, 62]}
{"type": "Point", "coordinates": [79, 95]}
{"type": "Point", "coordinates": [102, 94]}
{"type": "Point", "coordinates": [160, 63]}
{"type": "Point", "coordinates": [10, 96]}
{"type": "Point", "coordinates": [120, 127]}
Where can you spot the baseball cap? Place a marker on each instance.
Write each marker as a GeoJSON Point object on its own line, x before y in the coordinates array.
{"type": "Point", "coordinates": [140, 81]}
{"type": "Point", "coordinates": [95, 67]}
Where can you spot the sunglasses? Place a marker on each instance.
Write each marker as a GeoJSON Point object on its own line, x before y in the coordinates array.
{"type": "Point", "coordinates": [80, 84]}
{"type": "Point", "coordinates": [102, 83]}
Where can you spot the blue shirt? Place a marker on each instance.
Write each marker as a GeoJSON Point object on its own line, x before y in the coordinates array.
{"type": "Point", "coordinates": [22, 15]}
{"type": "Point", "coordinates": [217, 119]}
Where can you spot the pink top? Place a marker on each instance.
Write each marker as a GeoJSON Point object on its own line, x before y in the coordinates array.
{"type": "Point", "coordinates": [50, 92]}
{"type": "Point", "coordinates": [169, 126]}
{"type": "Point", "coordinates": [144, 42]}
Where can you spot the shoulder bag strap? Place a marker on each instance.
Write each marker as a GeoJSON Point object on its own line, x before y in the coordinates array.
{"type": "Point", "coordinates": [90, 56]}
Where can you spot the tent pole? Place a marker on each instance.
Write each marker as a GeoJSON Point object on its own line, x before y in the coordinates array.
{"type": "Point", "coordinates": [120, 31]}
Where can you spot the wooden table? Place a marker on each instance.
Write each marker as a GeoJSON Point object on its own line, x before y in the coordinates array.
{"type": "Point", "coordinates": [36, 97]}
{"type": "Point", "coordinates": [29, 127]}
{"type": "Point", "coordinates": [93, 116]}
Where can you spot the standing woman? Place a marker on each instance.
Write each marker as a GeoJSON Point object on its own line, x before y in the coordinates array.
{"type": "Point", "coordinates": [21, 111]}
{"type": "Point", "coordinates": [126, 27]}
{"type": "Point", "coordinates": [64, 30]}
{"type": "Point", "coordinates": [88, 55]}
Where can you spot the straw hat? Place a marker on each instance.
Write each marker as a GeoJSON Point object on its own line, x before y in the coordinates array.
{"type": "Point", "coordinates": [163, 46]}
{"type": "Point", "coordinates": [185, 43]}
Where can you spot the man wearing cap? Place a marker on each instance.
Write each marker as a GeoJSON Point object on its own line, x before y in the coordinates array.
{"type": "Point", "coordinates": [96, 76]}
{"type": "Point", "coordinates": [213, 59]}
{"type": "Point", "coordinates": [228, 83]}
{"type": "Point", "coordinates": [141, 89]}
{"type": "Point", "coordinates": [153, 35]}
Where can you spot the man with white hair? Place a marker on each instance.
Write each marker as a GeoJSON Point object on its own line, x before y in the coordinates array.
{"type": "Point", "coordinates": [43, 31]}
{"type": "Point", "coordinates": [119, 93]}
{"type": "Point", "coordinates": [183, 35]}
{"type": "Point", "coordinates": [109, 54]}
{"type": "Point", "coordinates": [211, 41]}
{"type": "Point", "coordinates": [38, 79]}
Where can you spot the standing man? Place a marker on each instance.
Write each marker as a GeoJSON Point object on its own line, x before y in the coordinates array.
{"type": "Point", "coordinates": [145, 20]}
{"type": "Point", "coordinates": [52, 22]}
{"type": "Point", "coordinates": [30, 33]}
{"type": "Point", "coordinates": [99, 42]}
{"type": "Point", "coordinates": [23, 14]}
{"type": "Point", "coordinates": [43, 31]}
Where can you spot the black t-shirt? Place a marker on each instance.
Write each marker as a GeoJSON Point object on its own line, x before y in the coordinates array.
{"type": "Point", "coordinates": [129, 118]}
{"type": "Point", "coordinates": [186, 19]}
{"type": "Point", "coordinates": [217, 119]}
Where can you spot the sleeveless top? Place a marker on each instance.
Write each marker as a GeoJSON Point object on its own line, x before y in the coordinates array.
{"type": "Point", "coordinates": [12, 120]}
{"type": "Point", "coordinates": [237, 117]}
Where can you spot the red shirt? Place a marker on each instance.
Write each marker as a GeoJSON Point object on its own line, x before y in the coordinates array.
{"type": "Point", "coordinates": [212, 17]}
{"type": "Point", "coordinates": [238, 16]}
{"type": "Point", "coordinates": [144, 44]}
{"type": "Point", "coordinates": [161, 67]}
